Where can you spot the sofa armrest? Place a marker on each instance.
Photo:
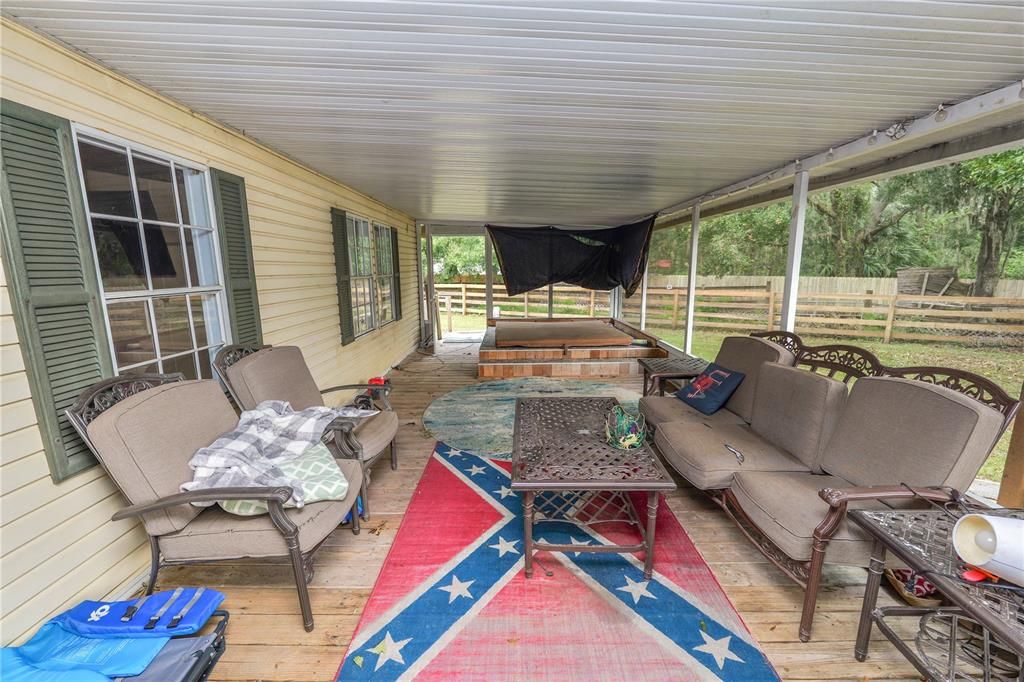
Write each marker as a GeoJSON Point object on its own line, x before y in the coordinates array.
{"type": "Point", "coordinates": [380, 392]}
{"type": "Point", "coordinates": [840, 496]}
{"type": "Point", "coordinates": [342, 430]}
{"type": "Point", "coordinates": [275, 497]}
{"type": "Point", "coordinates": [280, 494]}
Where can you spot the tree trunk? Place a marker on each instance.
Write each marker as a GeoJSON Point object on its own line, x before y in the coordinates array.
{"type": "Point", "coordinates": [995, 228]}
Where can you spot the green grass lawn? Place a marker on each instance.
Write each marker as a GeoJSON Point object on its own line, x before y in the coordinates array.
{"type": "Point", "coordinates": [1005, 366]}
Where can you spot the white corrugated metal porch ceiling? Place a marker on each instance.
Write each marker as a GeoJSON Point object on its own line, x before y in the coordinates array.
{"type": "Point", "coordinates": [569, 112]}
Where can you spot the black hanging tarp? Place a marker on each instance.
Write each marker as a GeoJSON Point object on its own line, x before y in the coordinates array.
{"type": "Point", "coordinates": [602, 259]}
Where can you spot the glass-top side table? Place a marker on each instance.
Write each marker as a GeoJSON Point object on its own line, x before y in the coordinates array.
{"type": "Point", "coordinates": [981, 637]}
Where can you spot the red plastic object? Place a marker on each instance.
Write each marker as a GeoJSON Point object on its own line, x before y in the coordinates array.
{"type": "Point", "coordinates": [377, 381]}
{"type": "Point", "coordinates": [976, 575]}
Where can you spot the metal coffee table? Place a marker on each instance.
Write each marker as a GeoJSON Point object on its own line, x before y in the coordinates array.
{"type": "Point", "coordinates": [567, 472]}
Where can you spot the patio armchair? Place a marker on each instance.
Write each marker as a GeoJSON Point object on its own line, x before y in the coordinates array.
{"type": "Point", "coordinates": [897, 441]}
{"type": "Point", "coordinates": [254, 373]}
{"type": "Point", "coordinates": [144, 430]}
{"type": "Point", "coordinates": [743, 354]}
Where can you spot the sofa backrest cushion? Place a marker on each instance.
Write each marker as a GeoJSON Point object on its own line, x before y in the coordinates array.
{"type": "Point", "coordinates": [797, 411]}
{"type": "Point", "coordinates": [746, 354]}
{"type": "Point", "coordinates": [896, 431]}
{"type": "Point", "coordinates": [145, 442]}
{"type": "Point", "coordinates": [277, 373]}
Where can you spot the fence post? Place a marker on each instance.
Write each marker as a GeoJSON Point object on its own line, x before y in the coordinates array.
{"type": "Point", "coordinates": [675, 309]}
{"type": "Point", "coordinates": [771, 310]}
{"type": "Point", "coordinates": [526, 304]}
{"type": "Point", "coordinates": [448, 311]}
{"type": "Point", "coordinates": [889, 319]}
{"type": "Point", "coordinates": [463, 298]}
{"type": "Point", "coordinates": [593, 302]}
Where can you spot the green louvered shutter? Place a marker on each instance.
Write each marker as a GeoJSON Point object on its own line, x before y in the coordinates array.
{"type": "Point", "coordinates": [343, 270]}
{"type": "Point", "coordinates": [51, 276]}
{"type": "Point", "coordinates": [236, 248]}
{"type": "Point", "coordinates": [396, 288]}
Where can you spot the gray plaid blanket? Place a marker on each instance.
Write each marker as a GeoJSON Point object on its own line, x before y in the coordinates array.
{"type": "Point", "coordinates": [265, 437]}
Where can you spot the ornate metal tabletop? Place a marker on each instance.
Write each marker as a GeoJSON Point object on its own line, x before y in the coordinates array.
{"type": "Point", "coordinates": [658, 370]}
{"type": "Point", "coordinates": [559, 444]}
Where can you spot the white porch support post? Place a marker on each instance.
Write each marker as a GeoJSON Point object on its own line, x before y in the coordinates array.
{"type": "Point", "coordinates": [643, 297]}
{"type": "Point", "coordinates": [794, 251]}
{"type": "Point", "coordinates": [488, 277]}
{"type": "Point", "coordinates": [431, 296]}
{"type": "Point", "coordinates": [691, 280]}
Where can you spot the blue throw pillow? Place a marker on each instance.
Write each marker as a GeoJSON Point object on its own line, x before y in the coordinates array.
{"type": "Point", "coordinates": [711, 389]}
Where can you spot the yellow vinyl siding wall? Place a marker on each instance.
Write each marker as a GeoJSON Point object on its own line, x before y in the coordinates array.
{"type": "Point", "coordinates": [57, 543]}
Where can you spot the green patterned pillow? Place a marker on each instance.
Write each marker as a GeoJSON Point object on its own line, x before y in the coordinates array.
{"type": "Point", "coordinates": [321, 480]}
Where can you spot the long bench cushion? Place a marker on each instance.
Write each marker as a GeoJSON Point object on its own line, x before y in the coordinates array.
{"type": "Point", "coordinates": [216, 534]}
{"type": "Point", "coordinates": [145, 442]}
{"type": "Point", "coordinates": [786, 508]}
{"type": "Point", "coordinates": [797, 411]}
{"type": "Point", "coordinates": [698, 452]}
{"type": "Point", "coordinates": [746, 354]}
{"type": "Point", "coordinates": [658, 410]}
{"type": "Point", "coordinates": [896, 431]}
{"type": "Point", "coordinates": [278, 373]}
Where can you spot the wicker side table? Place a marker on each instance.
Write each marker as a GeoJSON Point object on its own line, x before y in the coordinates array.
{"type": "Point", "coordinates": [981, 637]}
{"type": "Point", "coordinates": [659, 370]}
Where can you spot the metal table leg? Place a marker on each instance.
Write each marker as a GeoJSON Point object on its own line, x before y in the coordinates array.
{"type": "Point", "coordinates": [875, 569]}
{"type": "Point", "coordinates": [528, 531]}
{"type": "Point", "coordinates": [652, 514]}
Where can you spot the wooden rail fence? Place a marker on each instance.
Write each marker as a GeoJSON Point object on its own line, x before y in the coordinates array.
{"type": "Point", "coordinates": [887, 317]}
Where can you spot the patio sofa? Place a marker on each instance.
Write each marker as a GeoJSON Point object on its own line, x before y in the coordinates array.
{"type": "Point", "coordinates": [144, 429]}
{"type": "Point", "coordinates": [811, 449]}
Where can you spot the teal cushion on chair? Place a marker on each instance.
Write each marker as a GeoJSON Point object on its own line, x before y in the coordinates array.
{"type": "Point", "coordinates": [321, 480]}
{"type": "Point", "coordinates": [711, 389]}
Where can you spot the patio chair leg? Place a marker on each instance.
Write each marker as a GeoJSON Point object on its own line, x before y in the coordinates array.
{"type": "Point", "coordinates": [355, 516]}
{"type": "Point", "coordinates": [299, 569]}
{"type": "Point", "coordinates": [365, 493]}
{"type": "Point", "coordinates": [394, 456]}
{"type": "Point", "coordinates": [813, 585]}
{"type": "Point", "coordinates": [154, 563]}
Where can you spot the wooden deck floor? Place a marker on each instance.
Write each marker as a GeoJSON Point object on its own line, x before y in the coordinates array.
{"type": "Point", "coordinates": [266, 640]}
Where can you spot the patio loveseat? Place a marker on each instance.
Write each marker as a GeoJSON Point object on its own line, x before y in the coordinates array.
{"type": "Point", "coordinates": [810, 451]}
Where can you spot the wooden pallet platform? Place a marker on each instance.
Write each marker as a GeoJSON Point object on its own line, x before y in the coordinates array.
{"type": "Point", "coordinates": [565, 362]}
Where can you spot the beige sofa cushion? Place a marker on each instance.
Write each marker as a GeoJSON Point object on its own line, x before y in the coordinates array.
{"type": "Point", "coordinates": [278, 373]}
{"type": "Point", "coordinates": [658, 410]}
{"type": "Point", "coordinates": [896, 431]}
{"type": "Point", "coordinates": [786, 507]}
{"type": "Point", "coordinates": [375, 433]}
{"type": "Point", "coordinates": [215, 534]}
{"type": "Point", "coordinates": [146, 441]}
{"type": "Point", "coordinates": [699, 453]}
{"type": "Point", "coordinates": [746, 354]}
{"type": "Point", "coordinates": [797, 411]}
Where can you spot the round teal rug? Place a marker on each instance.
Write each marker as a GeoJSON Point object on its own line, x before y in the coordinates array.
{"type": "Point", "coordinates": [479, 418]}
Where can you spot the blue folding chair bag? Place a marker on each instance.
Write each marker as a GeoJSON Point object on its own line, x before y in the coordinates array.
{"type": "Point", "coordinates": [56, 649]}
{"type": "Point", "coordinates": [170, 613]}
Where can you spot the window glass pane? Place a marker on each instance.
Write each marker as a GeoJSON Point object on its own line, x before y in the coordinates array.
{"type": "Point", "coordinates": [119, 252]}
{"type": "Point", "coordinates": [362, 309]}
{"type": "Point", "coordinates": [206, 362]}
{"type": "Point", "coordinates": [384, 287]}
{"type": "Point", "coordinates": [166, 260]}
{"type": "Point", "coordinates": [108, 184]}
{"type": "Point", "coordinates": [195, 210]}
{"type": "Point", "coordinates": [156, 193]}
{"type": "Point", "coordinates": [186, 364]}
{"type": "Point", "coordinates": [172, 325]}
{"type": "Point", "coordinates": [206, 320]}
{"type": "Point", "coordinates": [202, 259]}
{"type": "Point", "coordinates": [131, 332]}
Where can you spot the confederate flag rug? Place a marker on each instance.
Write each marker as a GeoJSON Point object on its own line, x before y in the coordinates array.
{"type": "Point", "coordinates": [452, 602]}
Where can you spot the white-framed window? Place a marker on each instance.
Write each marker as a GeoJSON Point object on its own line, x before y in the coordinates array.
{"type": "Point", "coordinates": [155, 242]}
{"type": "Point", "coordinates": [372, 274]}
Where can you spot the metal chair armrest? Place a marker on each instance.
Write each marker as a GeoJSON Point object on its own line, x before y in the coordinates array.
{"type": "Point", "coordinates": [380, 392]}
{"type": "Point", "coordinates": [341, 429]}
{"type": "Point", "coordinates": [836, 497]}
{"type": "Point", "coordinates": [278, 494]}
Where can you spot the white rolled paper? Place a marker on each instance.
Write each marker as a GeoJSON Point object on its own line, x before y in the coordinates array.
{"type": "Point", "coordinates": [992, 543]}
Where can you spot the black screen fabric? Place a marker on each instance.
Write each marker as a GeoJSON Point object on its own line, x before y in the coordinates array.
{"type": "Point", "coordinates": [602, 259]}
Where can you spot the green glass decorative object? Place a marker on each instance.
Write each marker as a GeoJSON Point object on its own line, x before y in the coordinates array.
{"type": "Point", "coordinates": [623, 430]}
